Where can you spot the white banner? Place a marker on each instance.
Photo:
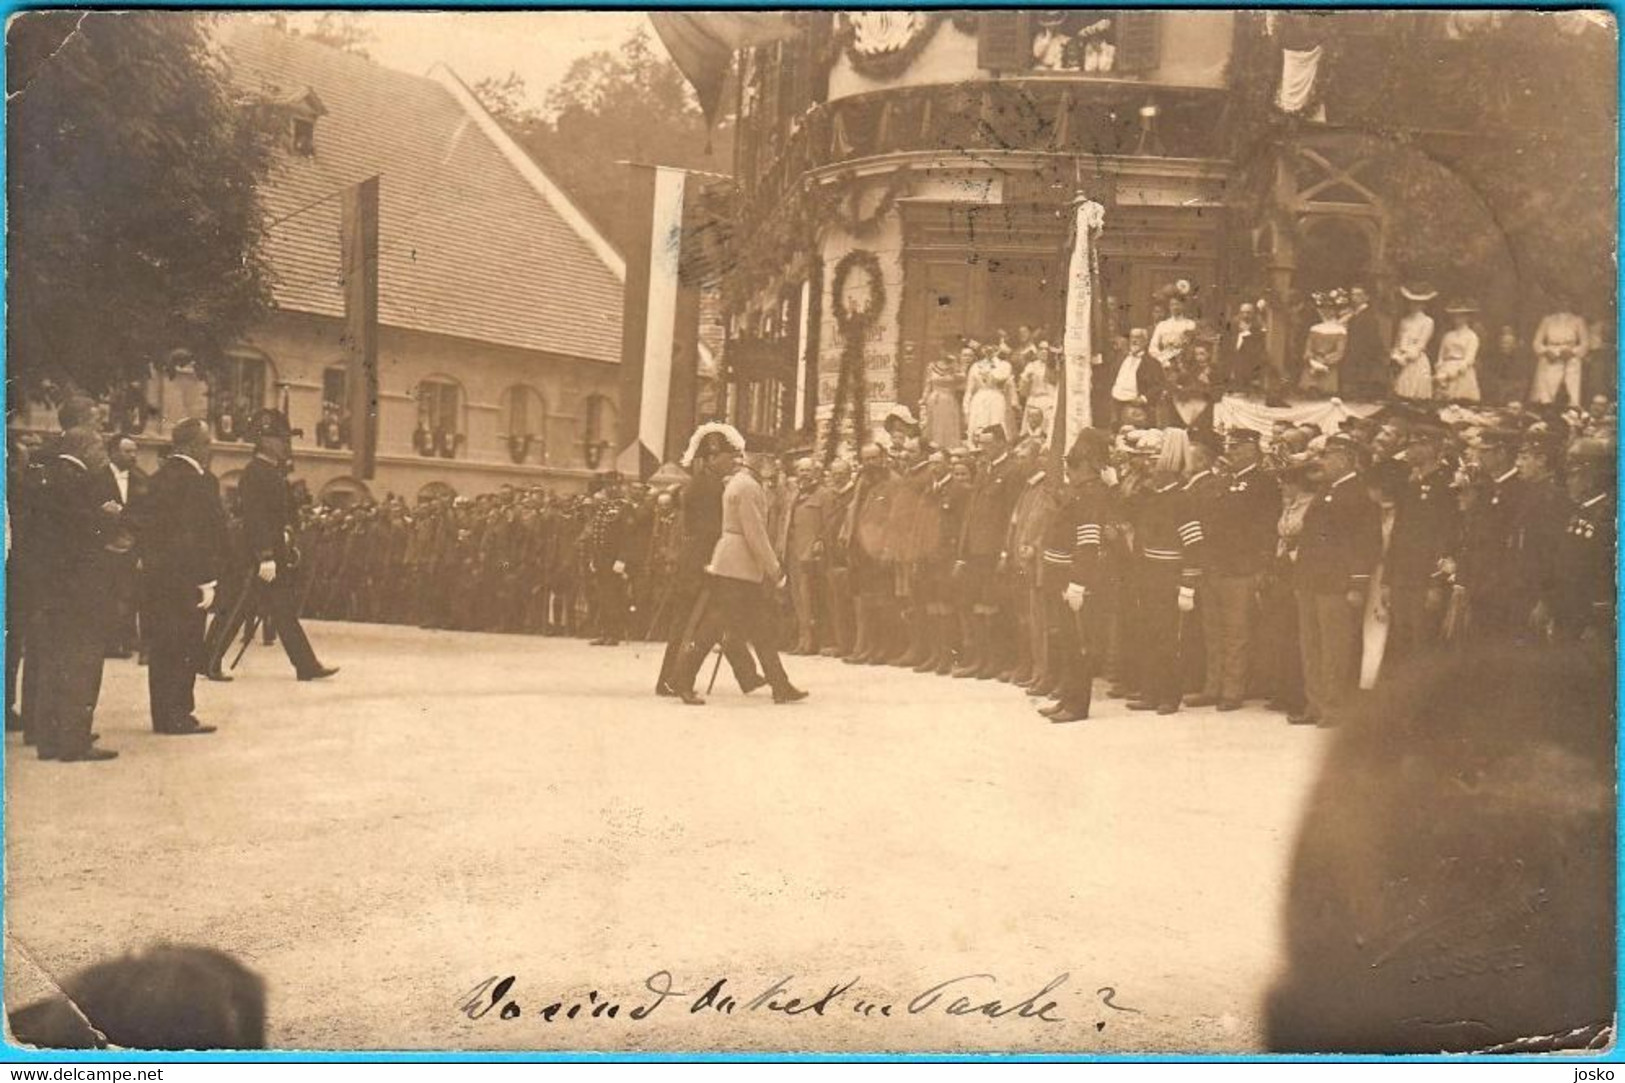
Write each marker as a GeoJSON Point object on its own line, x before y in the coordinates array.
{"type": "Point", "coordinates": [1078, 343]}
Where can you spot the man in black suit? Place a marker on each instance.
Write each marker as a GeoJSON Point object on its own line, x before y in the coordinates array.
{"type": "Point", "coordinates": [183, 530]}
{"type": "Point", "coordinates": [1246, 356]}
{"type": "Point", "coordinates": [73, 525]}
{"type": "Point", "coordinates": [124, 483]}
{"type": "Point", "coordinates": [269, 513]}
{"type": "Point", "coordinates": [1137, 378]}
{"type": "Point", "coordinates": [1365, 366]}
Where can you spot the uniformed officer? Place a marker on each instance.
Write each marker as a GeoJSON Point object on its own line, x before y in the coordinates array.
{"type": "Point", "coordinates": [713, 455]}
{"type": "Point", "coordinates": [839, 603]}
{"type": "Point", "coordinates": [1035, 505]}
{"type": "Point", "coordinates": [1200, 637]}
{"type": "Point", "coordinates": [1073, 584]}
{"type": "Point", "coordinates": [269, 516]}
{"type": "Point", "coordinates": [1489, 569]}
{"type": "Point", "coordinates": [1583, 601]}
{"type": "Point", "coordinates": [606, 541]}
{"type": "Point", "coordinates": [1426, 537]}
{"type": "Point", "coordinates": [1168, 537]}
{"type": "Point", "coordinates": [1240, 533]}
{"type": "Point", "coordinates": [1543, 512]}
{"type": "Point", "coordinates": [862, 541]}
{"type": "Point", "coordinates": [989, 632]}
{"type": "Point", "coordinates": [1338, 550]}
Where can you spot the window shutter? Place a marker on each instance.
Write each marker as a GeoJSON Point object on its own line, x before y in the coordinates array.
{"type": "Point", "coordinates": [1004, 41]}
{"type": "Point", "coordinates": [1139, 40]}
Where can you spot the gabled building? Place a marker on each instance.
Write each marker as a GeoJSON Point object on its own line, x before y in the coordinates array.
{"type": "Point", "coordinates": [499, 303]}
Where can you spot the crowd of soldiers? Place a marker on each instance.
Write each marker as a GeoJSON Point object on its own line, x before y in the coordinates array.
{"type": "Point", "coordinates": [1189, 568]}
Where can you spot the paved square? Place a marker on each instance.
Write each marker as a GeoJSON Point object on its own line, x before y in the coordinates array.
{"type": "Point", "coordinates": [455, 807]}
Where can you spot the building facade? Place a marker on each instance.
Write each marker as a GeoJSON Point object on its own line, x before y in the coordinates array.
{"type": "Point", "coordinates": [903, 179]}
{"type": "Point", "coordinates": [499, 303]}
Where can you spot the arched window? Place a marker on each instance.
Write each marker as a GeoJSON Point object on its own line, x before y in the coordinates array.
{"type": "Point", "coordinates": [440, 418]}
{"type": "Point", "coordinates": [523, 420]}
{"type": "Point", "coordinates": [241, 384]}
{"type": "Point", "coordinates": [598, 439]}
{"type": "Point", "coordinates": [333, 430]}
{"type": "Point", "coordinates": [345, 492]}
{"type": "Point", "coordinates": [436, 491]}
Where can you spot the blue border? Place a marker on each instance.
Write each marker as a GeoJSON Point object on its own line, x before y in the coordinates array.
{"type": "Point", "coordinates": [11, 1054]}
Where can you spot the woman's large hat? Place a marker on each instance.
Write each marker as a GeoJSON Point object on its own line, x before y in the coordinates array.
{"type": "Point", "coordinates": [1421, 291]}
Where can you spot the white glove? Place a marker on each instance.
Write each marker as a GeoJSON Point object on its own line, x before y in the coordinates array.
{"type": "Point", "coordinates": [206, 591]}
{"type": "Point", "coordinates": [1187, 599]}
{"type": "Point", "coordinates": [620, 567]}
{"type": "Point", "coordinates": [267, 571]}
{"type": "Point", "coordinates": [1074, 595]}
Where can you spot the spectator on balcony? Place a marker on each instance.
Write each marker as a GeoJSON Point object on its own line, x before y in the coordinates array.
{"type": "Point", "coordinates": [989, 392]}
{"type": "Point", "coordinates": [1455, 377]}
{"type": "Point", "coordinates": [1170, 336]}
{"type": "Point", "coordinates": [1365, 370]}
{"type": "Point", "coordinates": [1414, 378]}
{"type": "Point", "coordinates": [941, 412]}
{"type": "Point", "coordinates": [1561, 343]}
{"type": "Point", "coordinates": [1038, 385]}
{"type": "Point", "coordinates": [1327, 348]}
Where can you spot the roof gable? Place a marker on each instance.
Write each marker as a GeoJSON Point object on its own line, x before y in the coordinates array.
{"type": "Point", "coordinates": [471, 243]}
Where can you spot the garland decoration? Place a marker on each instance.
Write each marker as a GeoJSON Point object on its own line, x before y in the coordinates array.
{"type": "Point", "coordinates": [846, 208]}
{"type": "Point", "coordinates": [883, 61]}
{"type": "Point", "coordinates": [854, 322]}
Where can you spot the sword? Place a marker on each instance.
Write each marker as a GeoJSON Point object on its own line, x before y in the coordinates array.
{"type": "Point", "coordinates": [251, 596]}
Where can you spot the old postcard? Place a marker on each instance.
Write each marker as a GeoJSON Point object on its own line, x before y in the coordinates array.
{"type": "Point", "coordinates": [1077, 531]}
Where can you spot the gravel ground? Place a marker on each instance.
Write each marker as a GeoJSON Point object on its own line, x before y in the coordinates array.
{"type": "Point", "coordinates": [457, 807]}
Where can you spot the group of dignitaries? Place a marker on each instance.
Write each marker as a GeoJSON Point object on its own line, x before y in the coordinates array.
{"type": "Point", "coordinates": [1188, 569]}
{"type": "Point", "coordinates": [102, 558]}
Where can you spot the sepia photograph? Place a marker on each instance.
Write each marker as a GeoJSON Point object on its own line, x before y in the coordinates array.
{"type": "Point", "coordinates": [1076, 532]}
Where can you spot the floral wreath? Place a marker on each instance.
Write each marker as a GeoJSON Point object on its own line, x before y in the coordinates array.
{"type": "Point", "coordinates": [854, 323]}
{"type": "Point", "coordinates": [892, 64]}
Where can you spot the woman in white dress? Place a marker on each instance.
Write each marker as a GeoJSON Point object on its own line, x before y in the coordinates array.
{"type": "Point", "coordinates": [1325, 349]}
{"type": "Point", "coordinates": [988, 390]}
{"type": "Point", "coordinates": [1414, 378]}
{"type": "Point", "coordinates": [1455, 377]}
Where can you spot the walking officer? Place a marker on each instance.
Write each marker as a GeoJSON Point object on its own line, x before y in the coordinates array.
{"type": "Point", "coordinates": [269, 516]}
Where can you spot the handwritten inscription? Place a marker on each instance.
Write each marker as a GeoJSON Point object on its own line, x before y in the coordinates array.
{"type": "Point", "coordinates": [966, 995]}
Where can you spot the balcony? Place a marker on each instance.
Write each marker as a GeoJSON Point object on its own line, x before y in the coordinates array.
{"type": "Point", "coordinates": [1043, 114]}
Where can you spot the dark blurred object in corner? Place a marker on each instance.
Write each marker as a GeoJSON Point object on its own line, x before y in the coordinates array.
{"type": "Point", "coordinates": [166, 997]}
{"type": "Point", "coordinates": [1453, 884]}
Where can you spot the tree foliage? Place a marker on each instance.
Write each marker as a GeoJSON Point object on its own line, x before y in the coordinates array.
{"type": "Point", "coordinates": [1501, 129]}
{"type": "Point", "coordinates": [134, 216]}
{"type": "Point", "coordinates": [629, 105]}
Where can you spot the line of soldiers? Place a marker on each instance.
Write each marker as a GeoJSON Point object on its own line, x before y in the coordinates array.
{"type": "Point", "coordinates": [519, 560]}
{"type": "Point", "coordinates": [1188, 568]}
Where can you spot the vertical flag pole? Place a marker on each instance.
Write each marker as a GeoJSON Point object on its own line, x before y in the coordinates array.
{"type": "Point", "coordinates": [359, 250]}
